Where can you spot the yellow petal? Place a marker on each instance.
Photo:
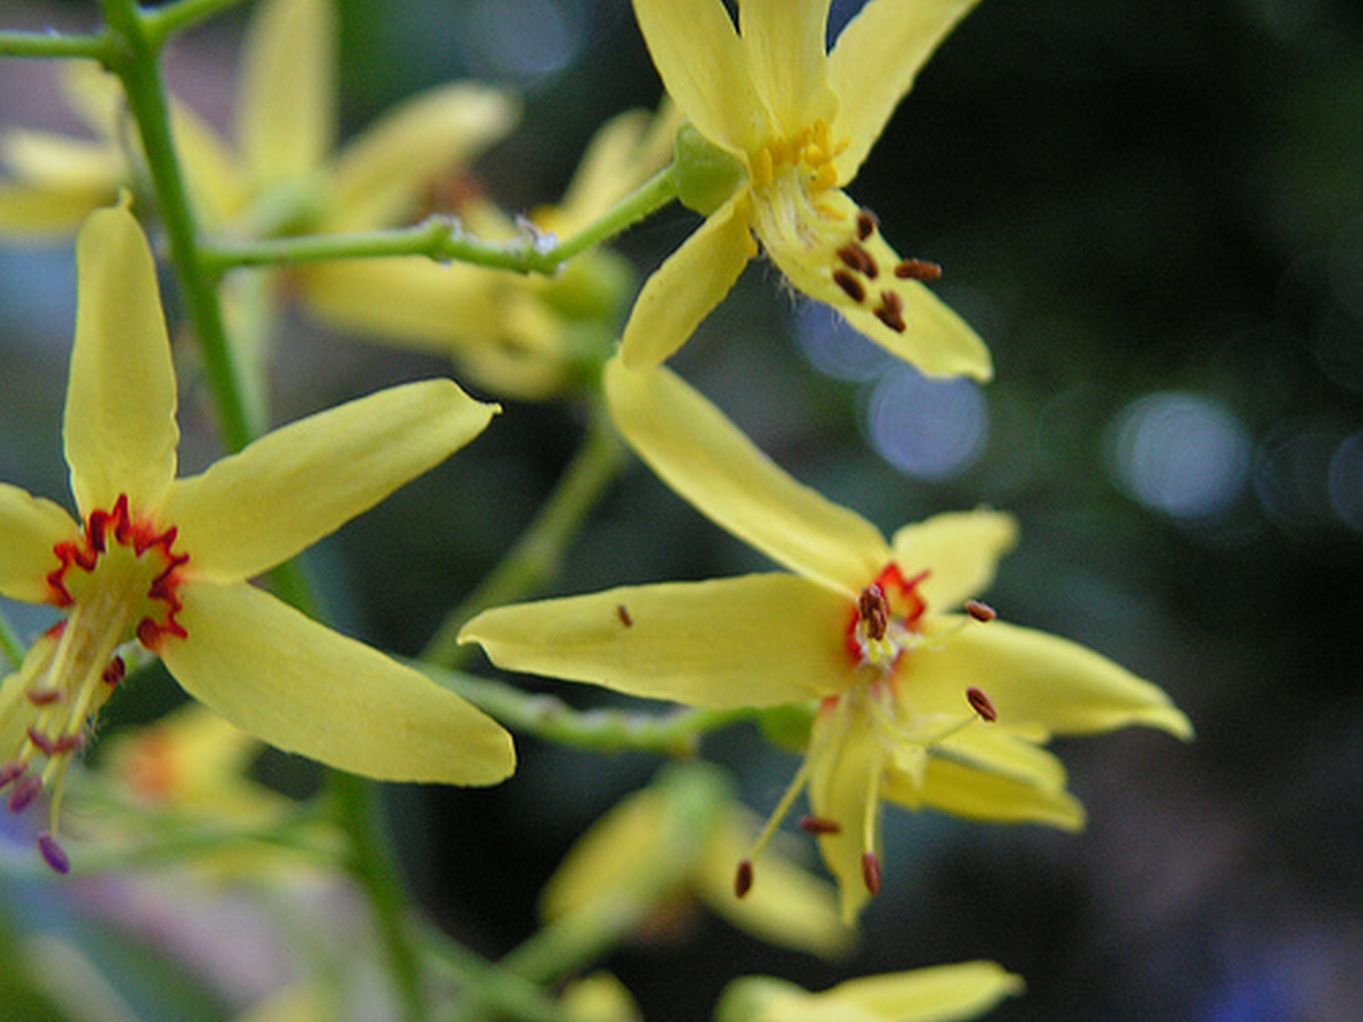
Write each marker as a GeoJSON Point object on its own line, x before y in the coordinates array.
{"type": "Point", "coordinates": [607, 855]}
{"type": "Point", "coordinates": [216, 180]}
{"type": "Point", "coordinates": [847, 758]}
{"type": "Point", "coordinates": [874, 63]}
{"type": "Point", "coordinates": [95, 95]}
{"type": "Point", "coordinates": [787, 906]}
{"type": "Point", "coordinates": [784, 42]}
{"type": "Point", "coordinates": [286, 112]}
{"type": "Point", "coordinates": [31, 526]}
{"type": "Point", "coordinates": [119, 427]}
{"type": "Point", "coordinates": [43, 213]}
{"type": "Point", "coordinates": [961, 549]}
{"type": "Point", "coordinates": [290, 488]}
{"type": "Point", "coordinates": [941, 994]}
{"type": "Point", "coordinates": [975, 794]}
{"type": "Point", "coordinates": [804, 235]}
{"type": "Point", "coordinates": [999, 750]}
{"type": "Point", "coordinates": [705, 70]}
{"type": "Point", "coordinates": [306, 689]}
{"type": "Point", "coordinates": [600, 997]}
{"type": "Point", "coordinates": [386, 174]}
{"type": "Point", "coordinates": [59, 161]}
{"type": "Point", "coordinates": [624, 152]}
{"type": "Point", "coordinates": [1034, 679]}
{"type": "Point", "coordinates": [702, 455]}
{"type": "Point", "coordinates": [758, 640]}
{"type": "Point", "coordinates": [688, 285]}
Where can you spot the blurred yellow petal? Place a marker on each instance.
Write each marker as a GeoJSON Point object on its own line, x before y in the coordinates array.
{"type": "Point", "coordinates": [1035, 678]}
{"type": "Point", "coordinates": [30, 526]}
{"type": "Point", "coordinates": [44, 213]}
{"type": "Point", "coordinates": [306, 689]}
{"type": "Point", "coordinates": [600, 997]}
{"type": "Point", "coordinates": [961, 549]}
{"type": "Point", "coordinates": [215, 177]}
{"type": "Point", "coordinates": [622, 155]}
{"type": "Point", "coordinates": [303, 1002]}
{"type": "Point", "coordinates": [96, 95]}
{"type": "Point", "coordinates": [807, 236]}
{"type": "Point", "coordinates": [993, 747]}
{"type": "Point", "coordinates": [942, 994]}
{"type": "Point", "coordinates": [875, 61]}
{"type": "Point", "coordinates": [688, 285]}
{"type": "Point", "coordinates": [697, 451]}
{"type": "Point", "coordinates": [286, 110]}
{"type": "Point", "coordinates": [758, 640]}
{"type": "Point", "coordinates": [62, 162]}
{"type": "Point", "coordinates": [703, 66]}
{"type": "Point", "coordinates": [301, 482]}
{"type": "Point", "coordinates": [607, 855]}
{"type": "Point", "coordinates": [784, 42]}
{"type": "Point", "coordinates": [386, 174]}
{"type": "Point", "coordinates": [787, 906]}
{"type": "Point", "coordinates": [119, 428]}
{"type": "Point", "coordinates": [962, 790]}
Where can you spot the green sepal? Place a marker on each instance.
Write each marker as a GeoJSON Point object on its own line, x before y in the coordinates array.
{"type": "Point", "coordinates": [706, 174]}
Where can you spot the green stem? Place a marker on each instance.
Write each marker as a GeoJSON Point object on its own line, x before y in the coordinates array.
{"type": "Point", "coordinates": [603, 731]}
{"type": "Point", "coordinates": [538, 552]}
{"type": "Point", "coordinates": [145, 89]}
{"type": "Point", "coordinates": [10, 645]}
{"type": "Point", "coordinates": [168, 19]}
{"type": "Point", "coordinates": [489, 987]}
{"type": "Point", "coordinates": [442, 239]}
{"type": "Point", "coordinates": [370, 864]}
{"type": "Point", "coordinates": [47, 45]}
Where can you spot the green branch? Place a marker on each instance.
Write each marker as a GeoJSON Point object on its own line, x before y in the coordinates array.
{"type": "Point", "coordinates": [539, 550]}
{"type": "Point", "coordinates": [52, 45]}
{"type": "Point", "coordinates": [442, 238]}
{"type": "Point", "coordinates": [168, 19]}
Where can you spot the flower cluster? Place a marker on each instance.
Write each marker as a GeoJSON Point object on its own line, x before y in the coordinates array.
{"type": "Point", "coordinates": [902, 685]}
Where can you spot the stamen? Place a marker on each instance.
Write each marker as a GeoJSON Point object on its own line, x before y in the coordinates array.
{"type": "Point", "coordinates": [855, 257]}
{"type": "Point", "coordinates": [743, 878]}
{"type": "Point", "coordinates": [115, 672]}
{"type": "Point", "coordinates": [28, 789]}
{"type": "Point", "coordinates": [871, 872]}
{"type": "Point", "coordinates": [866, 224]}
{"type": "Point", "coordinates": [53, 854]}
{"type": "Point", "coordinates": [980, 611]}
{"type": "Point", "coordinates": [918, 269]}
{"type": "Point", "coordinates": [41, 742]}
{"type": "Point", "coordinates": [622, 612]}
{"type": "Point", "coordinates": [9, 772]}
{"type": "Point", "coordinates": [43, 696]}
{"type": "Point", "coordinates": [818, 825]}
{"type": "Point", "coordinates": [891, 311]}
{"type": "Point", "coordinates": [874, 609]}
{"type": "Point", "coordinates": [850, 285]}
{"type": "Point", "coordinates": [981, 704]}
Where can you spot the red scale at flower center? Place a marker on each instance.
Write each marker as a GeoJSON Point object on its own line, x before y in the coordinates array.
{"type": "Point", "coordinates": [116, 581]}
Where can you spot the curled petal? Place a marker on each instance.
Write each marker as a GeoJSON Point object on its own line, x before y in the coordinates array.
{"type": "Point", "coordinates": [290, 488]}
{"type": "Point", "coordinates": [758, 640]}
{"type": "Point", "coordinates": [975, 794]}
{"type": "Point", "coordinates": [307, 689]}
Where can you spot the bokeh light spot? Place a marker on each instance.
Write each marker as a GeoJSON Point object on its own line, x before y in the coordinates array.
{"type": "Point", "coordinates": [929, 429]}
{"type": "Point", "coordinates": [834, 347]}
{"type": "Point", "coordinates": [1346, 481]}
{"type": "Point", "coordinates": [1180, 453]}
{"type": "Point", "coordinates": [525, 39]}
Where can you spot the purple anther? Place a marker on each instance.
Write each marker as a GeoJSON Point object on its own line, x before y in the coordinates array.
{"type": "Point", "coordinates": [25, 792]}
{"type": "Point", "coordinates": [40, 741]}
{"type": "Point", "coordinates": [54, 855]}
{"type": "Point", "coordinates": [10, 771]}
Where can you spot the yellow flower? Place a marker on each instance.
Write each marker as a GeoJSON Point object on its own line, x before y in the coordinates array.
{"type": "Point", "coordinates": [527, 337]}
{"type": "Point", "coordinates": [868, 627]}
{"type": "Point", "coordinates": [791, 908]}
{"type": "Point", "coordinates": [945, 993]}
{"type": "Point", "coordinates": [799, 121]}
{"type": "Point", "coordinates": [165, 560]}
{"type": "Point", "coordinates": [283, 175]}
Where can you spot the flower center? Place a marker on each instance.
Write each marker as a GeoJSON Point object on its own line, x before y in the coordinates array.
{"type": "Point", "coordinates": [886, 620]}
{"type": "Point", "coordinates": [809, 154]}
{"type": "Point", "coordinates": [118, 580]}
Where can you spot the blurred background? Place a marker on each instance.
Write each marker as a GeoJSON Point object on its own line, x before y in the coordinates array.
{"type": "Point", "coordinates": [1153, 214]}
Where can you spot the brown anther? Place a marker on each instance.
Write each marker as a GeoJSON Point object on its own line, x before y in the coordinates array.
{"type": "Point", "coordinates": [980, 611]}
{"type": "Point", "coordinates": [41, 741]}
{"type": "Point", "coordinates": [9, 772]}
{"type": "Point", "coordinates": [868, 262]}
{"type": "Point", "coordinates": [866, 224]}
{"type": "Point", "coordinates": [874, 610]}
{"type": "Point", "coordinates": [43, 696]}
{"type": "Point", "coordinates": [115, 672]}
{"type": "Point", "coordinates": [891, 311]}
{"type": "Point", "coordinates": [53, 854]}
{"type": "Point", "coordinates": [918, 269]}
{"type": "Point", "coordinates": [870, 872]}
{"type": "Point", "coordinates": [981, 704]}
{"type": "Point", "coordinates": [743, 878]}
{"type": "Point", "coordinates": [818, 825]}
{"type": "Point", "coordinates": [68, 743]}
{"type": "Point", "coordinates": [28, 788]}
{"type": "Point", "coordinates": [850, 285]}
{"type": "Point", "coordinates": [622, 612]}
